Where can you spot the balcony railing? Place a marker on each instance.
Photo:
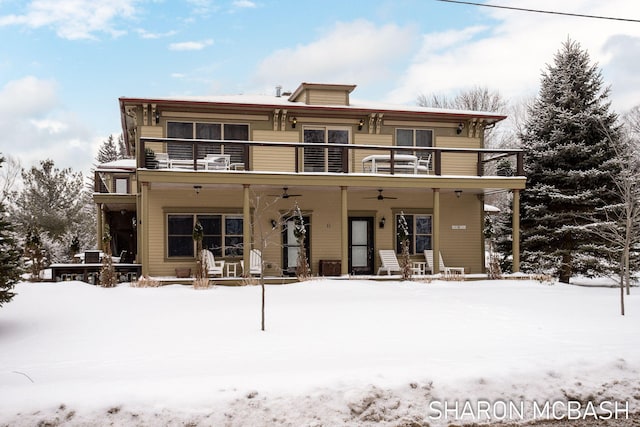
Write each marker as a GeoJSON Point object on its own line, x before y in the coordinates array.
{"type": "Point", "coordinates": [300, 157]}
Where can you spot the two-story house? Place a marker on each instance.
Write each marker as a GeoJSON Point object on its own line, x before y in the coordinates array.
{"type": "Point", "coordinates": [240, 164]}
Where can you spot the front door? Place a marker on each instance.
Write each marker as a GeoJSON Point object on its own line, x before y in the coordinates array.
{"type": "Point", "coordinates": [361, 245]}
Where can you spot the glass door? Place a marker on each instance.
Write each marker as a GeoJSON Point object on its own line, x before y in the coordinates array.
{"type": "Point", "coordinates": [361, 245]}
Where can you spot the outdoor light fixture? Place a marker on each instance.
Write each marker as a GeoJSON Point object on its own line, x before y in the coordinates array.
{"type": "Point", "coordinates": [294, 122]}
{"type": "Point", "coordinates": [273, 223]}
{"type": "Point", "coordinates": [197, 188]}
{"type": "Point", "coordinates": [360, 124]}
{"type": "Point", "coordinates": [458, 193]}
{"type": "Point", "coordinates": [157, 117]}
{"type": "Point", "coordinates": [459, 128]}
{"type": "Point", "coordinates": [381, 223]}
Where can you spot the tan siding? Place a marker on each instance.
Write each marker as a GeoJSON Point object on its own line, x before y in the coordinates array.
{"type": "Point", "coordinates": [461, 248]}
{"type": "Point", "coordinates": [324, 97]}
{"type": "Point", "coordinates": [459, 163]}
{"type": "Point", "coordinates": [274, 159]}
{"type": "Point", "coordinates": [151, 131]}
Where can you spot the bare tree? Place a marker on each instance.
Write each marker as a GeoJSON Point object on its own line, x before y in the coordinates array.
{"type": "Point", "coordinates": [265, 232]}
{"type": "Point", "coordinates": [621, 228]}
{"type": "Point", "coordinates": [9, 176]}
{"type": "Point", "coordinates": [477, 98]}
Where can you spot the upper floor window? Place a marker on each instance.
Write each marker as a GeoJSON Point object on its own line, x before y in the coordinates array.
{"type": "Point", "coordinates": [414, 138]}
{"type": "Point", "coordinates": [211, 131]}
{"type": "Point", "coordinates": [324, 159]}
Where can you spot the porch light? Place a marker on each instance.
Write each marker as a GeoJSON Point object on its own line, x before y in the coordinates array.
{"type": "Point", "coordinates": [360, 124]}
{"type": "Point", "coordinates": [459, 128]}
{"type": "Point", "coordinates": [197, 188]}
{"type": "Point", "coordinates": [381, 223]}
{"type": "Point", "coordinates": [294, 122]}
{"type": "Point", "coordinates": [157, 116]}
{"type": "Point", "coordinates": [458, 193]}
{"type": "Point", "coordinates": [273, 223]}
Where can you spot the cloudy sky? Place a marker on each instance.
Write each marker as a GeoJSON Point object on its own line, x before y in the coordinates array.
{"type": "Point", "coordinates": [64, 63]}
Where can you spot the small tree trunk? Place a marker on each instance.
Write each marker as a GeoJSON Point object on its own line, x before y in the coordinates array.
{"type": "Point", "coordinates": [565, 268]}
{"type": "Point", "coordinates": [262, 284]}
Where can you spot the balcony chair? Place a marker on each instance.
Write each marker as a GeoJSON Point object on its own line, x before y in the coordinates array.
{"type": "Point", "coordinates": [214, 268]}
{"type": "Point", "coordinates": [389, 261]}
{"type": "Point", "coordinates": [448, 271]}
{"type": "Point", "coordinates": [255, 263]}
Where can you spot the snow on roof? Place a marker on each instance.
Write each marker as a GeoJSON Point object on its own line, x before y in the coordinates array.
{"type": "Point", "coordinates": [491, 208]}
{"type": "Point", "coordinates": [283, 101]}
{"type": "Point", "coordinates": [121, 164]}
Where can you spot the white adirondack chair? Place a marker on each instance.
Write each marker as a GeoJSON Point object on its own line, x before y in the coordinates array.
{"type": "Point", "coordinates": [389, 261]}
{"type": "Point", "coordinates": [255, 263]}
{"type": "Point", "coordinates": [448, 271]}
{"type": "Point", "coordinates": [214, 268]}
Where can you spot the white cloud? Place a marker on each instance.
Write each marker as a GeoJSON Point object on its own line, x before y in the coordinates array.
{"type": "Point", "coordinates": [149, 35]}
{"type": "Point", "coordinates": [511, 57]}
{"type": "Point", "coordinates": [73, 19]}
{"type": "Point", "coordinates": [244, 4]}
{"type": "Point", "coordinates": [27, 96]}
{"type": "Point", "coordinates": [192, 45]}
{"type": "Point", "coordinates": [356, 52]}
{"type": "Point", "coordinates": [34, 126]}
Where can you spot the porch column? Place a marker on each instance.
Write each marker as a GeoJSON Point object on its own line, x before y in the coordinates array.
{"type": "Point", "coordinates": [344, 232]}
{"type": "Point", "coordinates": [100, 222]}
{"type": "Point", "coordinates": [143, 246]}
{"type": "Point", "coordinates": [246, 228]}
{"type": "Point", "coordinates": [435, 232]}
{"type": "Point", "coordinates": [515, 233]}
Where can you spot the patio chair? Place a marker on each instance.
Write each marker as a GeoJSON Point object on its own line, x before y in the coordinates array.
{"type": "Point", "coordinates": [424, 164]}
{"type": "Point", "coordinates": [214, 268]}
{"type": "Point", "coordinates": [255, 263]}
{"type": "Point", "coordinates": [163, 160]}
{"type": "Point", "coordinates": [448, 271]}
{"type": "Point", "coordinates": [389, 261]}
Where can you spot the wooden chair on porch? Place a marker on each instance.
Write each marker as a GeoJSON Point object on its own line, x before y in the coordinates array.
{"type": "Point", "coordinates": [389, 261]}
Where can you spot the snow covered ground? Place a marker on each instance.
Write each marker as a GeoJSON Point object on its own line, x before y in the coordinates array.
{"type": "Point", "coordinates": [335, 352]}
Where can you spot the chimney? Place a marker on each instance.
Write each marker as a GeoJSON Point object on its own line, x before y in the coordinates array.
{"type": "Point", "coordinates": [278, 91]}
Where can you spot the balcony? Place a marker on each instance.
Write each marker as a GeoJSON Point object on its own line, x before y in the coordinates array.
{"type": "Point", "coordinates": [300, 157]}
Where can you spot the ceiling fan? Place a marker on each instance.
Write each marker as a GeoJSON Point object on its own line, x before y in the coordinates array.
{"type": "Point", "coordinates": [285, 194]}
{"type": "Point", "coordinates": [380, 196]}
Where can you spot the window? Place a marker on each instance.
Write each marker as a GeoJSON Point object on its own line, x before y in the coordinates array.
{"type": "Point", "coordinates": [222, 234]}
{"type": "Point", "coordinates": [414, 138]}
{"type": "Point", "coordinates": [210, 131]}
{"type": "Point", "coordinates": [420, 231]}
{"type": "Point", "coordinates": [122, 185]}
{"type": "Point", "coordinates": [290, 246]}
{"type": "Point", "coordinates": [324, 159]}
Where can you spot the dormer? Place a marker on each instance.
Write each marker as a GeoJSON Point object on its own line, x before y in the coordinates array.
{"type": "Point", "coordinates": [322, 94]}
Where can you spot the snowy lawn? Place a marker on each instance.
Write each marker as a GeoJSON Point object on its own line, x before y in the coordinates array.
{"type": "Point", "coordinates": [335, 352]}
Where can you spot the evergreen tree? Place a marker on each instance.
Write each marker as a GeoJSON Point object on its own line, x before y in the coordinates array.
{"type": "Point", "coordinates": [10, 256]}
{"type": "Point", "coordinates": [56, 202]}
{"type": "Point", "coordinates": [568, 164]}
